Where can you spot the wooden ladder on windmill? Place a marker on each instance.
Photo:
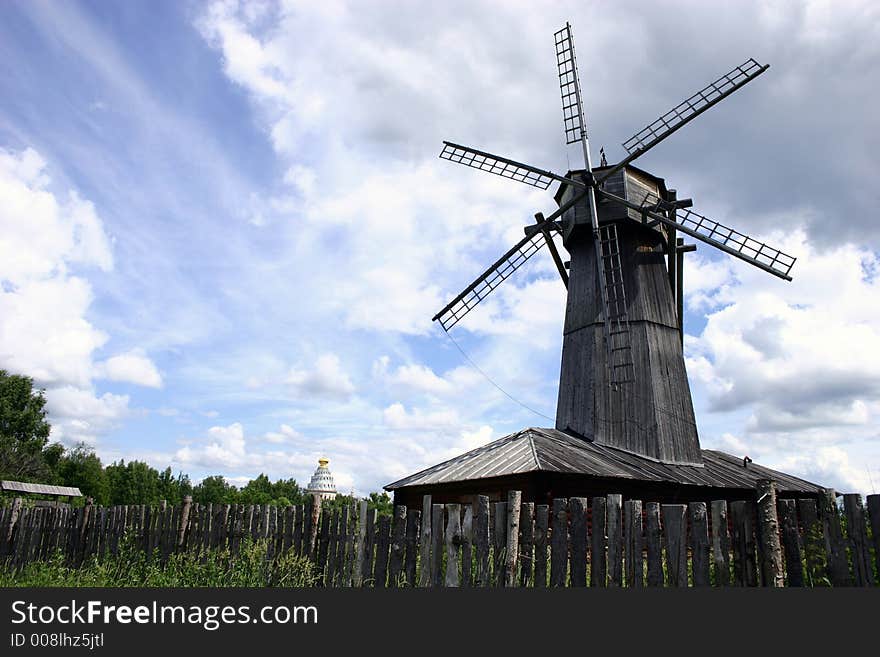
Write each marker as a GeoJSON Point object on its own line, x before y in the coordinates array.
{"type": "Point", "coordinates": [619, 346]}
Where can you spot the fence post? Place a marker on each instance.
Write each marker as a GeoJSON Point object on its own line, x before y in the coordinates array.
{"type": "Point", "coordinates": [632, 511]}
{"type": "Point", "coordinates": [699, 543]}
{"type": "Point", "coordinates": [453, 544]}
{"type": "Point", "coordinates": [614, 514]}
{"type": "Point", "coordinates": [542, 522]}
{"type": "Point", "coordinates": [499, 542]}
{"type": "Point", "coordinates": [398, 542]}
{"type": "Point", "coordinates": [527, 543]}
{"type": "Point", "coordinates": [720, 543]}
{"type": "Point", "coordinates": [481, 541]}
{"type": "Point", "coordinates": [597, 543]}
{"type": "Point", "coordinates": [857, 536]}
{"type": "Point", "coordinates": [467, 541]}
{"type": "Point", "coordinates": [768, 528]}
{"type": "Point", "coordinates": [790, 543]}
{"type": "Point", "coordinates": [357, 575]}
{"type": "Point", "coordinates": [874, 514]}
{"type": "Point", "coordinates": [835, 548]}
{"type": "Point", "coordinates": [184, 520]}
{"type": "Point", "coordinates": [653, 546]}
{"type": "Point", "coordinates": [514, 500]}
{"type": "Point", "coordinates": [425, 552]}
{"type": "Point", "coordinates": [559, 542]}
{"type": "Point", "coordinates": [674, 529]}
{"type": "Point", "coordinates": [437, 545]}
{"type": "Point", "coordinates": [13, 518]}
{"type": "Point", "coordinates": [413, 518]}
{"type": "Point", "coordinates": [380, 570]}
{"type": "Point", "coordinates": [578, 548]}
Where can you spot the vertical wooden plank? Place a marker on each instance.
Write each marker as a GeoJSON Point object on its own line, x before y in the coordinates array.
{"type": "Point", "coordinates": [653, 545]}
{"type": "Point", "coordinates": [874, 516]}
{"type": "Point", "coordinates": [674, 535]}
{"type": "Point", "coordinates": [720, 543]}
{"type": "Point", "coordinates": [298, 526]}
{"type": "Point", "coordinates": [744, 566]}
{"type": "Point", "coordinates": [857, 540]}
{"type": "Point", "coordinates": [425, 551]}
{"type": "Point", "coordinates": [542, 524]}
{"type": "Point", "coordinates": [614, 526]}
{"type": "Point", "coordinates": [437, 545]}
{"type": "Point", "coordinates": [314, 520]}
{"type": "Point", "coordinates": [323, 541]}
{"type": "Point", "coordinates": [578, 540]}
{"type": "Point", "coordinates": [772, 574]}
{"type": "Point", "coordinates": [514, 501]}
{"type": "Point", "coordinates": [332, 548]}
{"type": "Point", "coordinates": [237, 520]}
{"type": "Point", "coordinates": [467, 544]}
{"type": "Point", "coordinates": [835, 547]}
{"type": "Point", "coordinates": [453, 544]}
{"type": "Point", "coordinates": [307, 547]}
{"type": "Point", "coordinates": [598, 564]}
{"type": "Point", "coordinates": [499, 542]}
{"type": "Point", "coordinates": [342, 555]}
{"type": "Point", "coordinates": [814, 544]}
{"type": "Point", "coordinates": [383, 543]}
{"type": "Point", "coordinates": [481, 541]}
{"type": "Point", "coordinates": [527, 543]}
{"type": "Point", "coordinates": [632, 522]}
{"type": "Point", "coordinates": [791, 543]}
{"type": "Point", "coordinates": [699, 539]}
{"type": "Point", "coordinates": [398, 545]}
{"type": "Point", "coordinates": [184, 520]}
{"type": "Point", "coordinates": [352, 546]}
{"type": "Point", "coordinates": [559, 543]}
{"type": "Point", "coordinates": [357, 576]}
{"type": "Point", "coordinates": [369, 545]}
{"type": "Point", "coordinates": [413, 519]}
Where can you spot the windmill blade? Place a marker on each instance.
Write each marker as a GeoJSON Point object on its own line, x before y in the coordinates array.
{"type": "Point", "coordinates": [489, 280]}
{"type": "Point", "coordinates": [569, 85]}
{"type": "Point", "coordinates": [686, 111]}
{"type": "Point", "coordinates": [502, 166]}
{"type": "Point", "coordinates": [729, 240]}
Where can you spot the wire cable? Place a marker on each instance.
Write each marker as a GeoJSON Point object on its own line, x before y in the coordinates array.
{"type": "Point", "coordinates": [490, 380]}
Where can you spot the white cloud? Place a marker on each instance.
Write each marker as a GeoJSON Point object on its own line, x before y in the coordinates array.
{"type": "Point", "coordinates": [45, 332]}
{"type": "Point", "coordinates": [130, 367]}
{"type": "Point", "coordinates": [325, 379]}
{"type": "Point", "coordinates": [398, 418]}
{"type": "Point", "coordinates": [78, 414]}
{"type": "Point", "coordinates": [285, 433]}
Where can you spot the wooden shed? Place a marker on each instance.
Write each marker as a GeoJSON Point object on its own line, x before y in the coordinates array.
{"type": "Point", "coordinates": [548, 463]}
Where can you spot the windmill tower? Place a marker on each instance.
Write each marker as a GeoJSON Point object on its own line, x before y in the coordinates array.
{"type": "Point", "coordinates": [623, 382]}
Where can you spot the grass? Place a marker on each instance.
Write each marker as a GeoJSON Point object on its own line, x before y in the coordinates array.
{"type": "Point", "coordinates": [132, 567]}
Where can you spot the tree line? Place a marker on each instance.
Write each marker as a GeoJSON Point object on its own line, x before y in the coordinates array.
{"type": "Point", "coordinates": [27, 455]}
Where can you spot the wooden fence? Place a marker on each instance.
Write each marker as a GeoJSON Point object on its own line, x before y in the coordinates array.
{"type": "Point", "coordinates": [603, 541]}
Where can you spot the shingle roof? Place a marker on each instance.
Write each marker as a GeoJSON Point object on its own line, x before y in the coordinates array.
{"type": "Point", "coordinates": [42, 489]}
{"type": "Point", "coordinates": [550, 450]}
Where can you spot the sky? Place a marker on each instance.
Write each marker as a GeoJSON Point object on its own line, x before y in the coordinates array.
{"type": "Point", "coordinates": [224, 227]}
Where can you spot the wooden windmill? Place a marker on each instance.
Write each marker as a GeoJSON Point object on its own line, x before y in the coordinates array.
{"type": "Point", "coordinates": [623, 382]}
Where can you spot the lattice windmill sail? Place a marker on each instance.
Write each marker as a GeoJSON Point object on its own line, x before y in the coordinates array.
{"type": "Point", "coordinates": [622, 381]}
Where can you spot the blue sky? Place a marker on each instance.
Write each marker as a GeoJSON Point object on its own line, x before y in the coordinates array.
{"type": "Point", "coordinates": [225, 228]}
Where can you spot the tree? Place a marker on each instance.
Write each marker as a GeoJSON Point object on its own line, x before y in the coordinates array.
{"type": "Point", "coordinates": [214, 490]}
{"type": "Point", "coordinates": [257, 491]}
{"type": "Point", "coordinates": [81, 467]}
{"type": "Point", "coordinates": [172, 488]}
{"type": "Point", "coordinates": [133, 483]}
{"type": "Point", "coordinates": [24, 430]}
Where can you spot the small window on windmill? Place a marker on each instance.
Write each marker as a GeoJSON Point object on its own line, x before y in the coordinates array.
{"type": "Point", "coordinates": [639, 189]}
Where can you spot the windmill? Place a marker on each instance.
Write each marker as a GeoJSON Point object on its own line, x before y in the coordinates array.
{"type": "Point", "coordinates": [622, 382]}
